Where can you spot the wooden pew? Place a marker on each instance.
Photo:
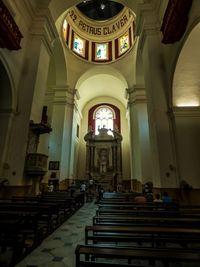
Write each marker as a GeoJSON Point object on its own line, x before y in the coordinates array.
{"type": "Point", "coordinates": [166, 255]}
{"type": "Point", "coordinates": [147, 221]}
{"type": "Point", "coordinates": [62, 206]}
{"type": "Point", "coordinates": [142, 212]}
{"type": "Point", "coordinates": [151, 234]}
{"type": "Point", "coordinates": [134, 206]}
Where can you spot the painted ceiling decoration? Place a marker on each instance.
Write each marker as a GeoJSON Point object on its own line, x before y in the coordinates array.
{"type": "Point", "coordinates": [99, 41]}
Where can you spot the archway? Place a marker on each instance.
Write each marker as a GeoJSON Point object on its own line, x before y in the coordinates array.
{"type": "Point", "coordinates": [186, 105]}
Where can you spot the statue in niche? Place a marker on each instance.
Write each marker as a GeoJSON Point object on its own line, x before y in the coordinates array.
{"type": "Point", "coordinates": [103, 160]}
{"type": "Point", "coordinates": [89, 135]}
{"type": "Point", "coordinates": [117, 134]}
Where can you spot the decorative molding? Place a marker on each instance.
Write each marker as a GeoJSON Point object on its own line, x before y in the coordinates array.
{"type": "Point", "coordinates": [175, 20]}
{"type": "Point", "coordinates": [10, 35]}
{"type": "Point", "coordinates": [77, 94]}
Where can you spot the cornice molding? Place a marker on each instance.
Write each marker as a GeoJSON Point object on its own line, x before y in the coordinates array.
{"type": "Point", "coordinates": [186, 111]}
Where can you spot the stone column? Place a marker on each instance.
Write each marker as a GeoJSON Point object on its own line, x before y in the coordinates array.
{"type": "Point", "coordinates": [139, 130]}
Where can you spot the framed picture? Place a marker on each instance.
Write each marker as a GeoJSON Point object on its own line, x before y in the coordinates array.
{"type": "Point", "coordinates": [54, 165]}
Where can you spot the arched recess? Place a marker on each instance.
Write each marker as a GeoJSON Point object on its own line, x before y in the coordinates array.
{"type": "Point", "coordinates": [6, 109]}
{"type": "Point", "coordinates": [102, 84]}
{"type": "Point", "coordinates": [186, 105]}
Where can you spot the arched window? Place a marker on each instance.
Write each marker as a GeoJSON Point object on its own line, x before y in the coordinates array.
{"type": "Point", "coordinates": [104, 118]}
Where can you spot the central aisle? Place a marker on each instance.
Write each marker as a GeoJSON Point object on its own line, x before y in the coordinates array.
{"type": "Point", "coordinates": [57, 250]}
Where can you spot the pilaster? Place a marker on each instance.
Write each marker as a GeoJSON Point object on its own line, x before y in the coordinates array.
{"type": "Point", "coordinates": [62, 124]}
{"type": "Point", "coordinates": [157, 88]}
{"type": "Point", "coordinates": [139, 127]}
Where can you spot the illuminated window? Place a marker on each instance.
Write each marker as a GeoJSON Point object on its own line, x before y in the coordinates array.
{"type": "Point", "coordinates": [104, 117]}
{"type": "Point", "coordinates": [65, 29]}
{"type": "Point", "coordinates": [101, 51]}
{"type": "Point", "coordinates": [79, 45]}
{"type": "Point", "coordinates": [124, 43]}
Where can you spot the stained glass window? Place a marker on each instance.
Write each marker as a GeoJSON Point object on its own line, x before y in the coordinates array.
{"type": "Point", "coordinates": [101, 51]}
{"type": "Point", "coordinates": [104, 117]}
{"type": "Point", "coordinates": [79, 45]}
{"type": "Point", "coordinates": [65, 29]}
{"type": "Point", "coordinates": [124, 43]}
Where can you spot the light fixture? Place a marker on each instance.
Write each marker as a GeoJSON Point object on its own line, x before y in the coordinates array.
{"type": "Point", "coordinates": [102, 6]}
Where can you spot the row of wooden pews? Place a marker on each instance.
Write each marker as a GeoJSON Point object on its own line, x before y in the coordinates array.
{"type": "Point", "coordinates": [153, 233]}
{"type": "Point", "coordinates": [25, 221]}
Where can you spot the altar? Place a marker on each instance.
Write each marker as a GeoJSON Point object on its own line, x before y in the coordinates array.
{"type": "Point", "coordinates": [103, 158]}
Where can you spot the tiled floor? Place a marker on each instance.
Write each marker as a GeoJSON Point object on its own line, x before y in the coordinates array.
{"type": "Point", "coordinates": [58, 249]}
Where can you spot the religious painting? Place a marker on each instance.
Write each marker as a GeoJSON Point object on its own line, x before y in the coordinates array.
{"type": "Point", "coordinates": [65, 29]}
{"type": "Point", "coordinates": [101, 51]}
{"type": "Point", "coordinates": [123, 43]}
{"type": "Point", "coordinates": [79, 45]}
{"type": "Point", "coordinates": [54, 165]}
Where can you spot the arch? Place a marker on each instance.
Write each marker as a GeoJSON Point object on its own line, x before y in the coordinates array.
{"type": "Point", "coordinates": [115, 112]}
{"type": "Point", "coordinates": [101, 81]}
{"type": "Point", "coordinates": [186, 80]}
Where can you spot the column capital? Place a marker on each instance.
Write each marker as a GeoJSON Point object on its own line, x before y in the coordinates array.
{"type": "Point", "coordinates": [136, 94]}
{"type": "Point", "coordinates": [148, 20]}
{"type": "Point", "coordinates": [64, 95]}
{"type": "Point", "coordinates": [186, 111]}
